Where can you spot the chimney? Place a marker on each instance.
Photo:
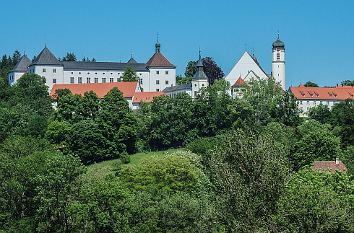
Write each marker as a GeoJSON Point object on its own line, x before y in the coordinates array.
{"type": "Point", "coordinates": [337, 161]}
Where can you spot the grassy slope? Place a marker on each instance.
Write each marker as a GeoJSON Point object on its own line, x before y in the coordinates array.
{"type": "Point", "coordinates": [100, 170]}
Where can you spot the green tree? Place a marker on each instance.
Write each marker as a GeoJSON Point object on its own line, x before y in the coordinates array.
{"type": "Point", "coordinates": [249, 172]}
{"type": "Point", "coordinates": [316, 202]}
{"type": "Point", "coordinates": [321, 113]}
{"type": "Point", "coordinates": [169, 122]}
{"type": "Point", "coordinates": [55, 189]}
{"type": "Point", "coordinates": [130, 75]}
{"type": "Point", "coordinates": [265, 96]}
{"type": "Point", "coordinates": [90, 105]}
{"type": "Point", "coordinates": [213, 110]}
{"type": "Point", "coordinates": [68, 108]}
{"type": "Point", "coordinates": [69, 57]}
{"type": "Point", "coordinates": [315, 142]}
{"type": "Point", "coordinates": [30, 90]}
{"type": "Point", "coordinates": [89, 143]}
{"type": "Point", "coordinates": [310, 84]}
{"type": "Point", "coordinates": [287, 111]}
{"type": "Point", "coordinates": [347, 83]}
{"type": "Point", "coordinates": [58, 131]}
{"type": "Point", "coordinates": [211, 69]}
{"type": "Point", "coordinates": [343, 120]}
{"type": "Point", "coordinates": [117, 118]}
{"type": "Point", "coordinates": [183, 80]}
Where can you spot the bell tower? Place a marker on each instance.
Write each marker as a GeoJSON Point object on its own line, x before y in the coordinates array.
{"type": "Point", "coordinates": [278, 62]}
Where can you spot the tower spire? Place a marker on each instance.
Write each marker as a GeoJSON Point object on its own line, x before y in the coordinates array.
{"type": "Point", "coordinates": [157, 45]}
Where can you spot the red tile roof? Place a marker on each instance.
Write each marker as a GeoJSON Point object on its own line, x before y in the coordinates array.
{"type": "Point", "coordinates": [146, 96]}
{"type": "Point", "coordinates": [159, 60]}
{"type": "Point", "coordinates": [323, 93]}
{"type": "Point", "coordinates": [239, 82]}
{"type": "Point", "coordinates": [101, 89]}
{"type": "Point", "coordinates": [329, 166]}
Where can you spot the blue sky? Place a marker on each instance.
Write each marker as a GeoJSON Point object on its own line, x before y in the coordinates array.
{"type": "Point", "coordinates": [318, 34]}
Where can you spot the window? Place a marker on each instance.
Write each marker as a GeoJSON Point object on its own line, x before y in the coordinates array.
{"type": "Point", "coordinates": [202, 85]}
{"type": "Point", "coordinates": [88, 80]}
{"type": "Point", "coordinates": [72, 80]}
{"type": "Point", "coordinates": [166, 72]}
{"type": "Point", "coordinates": [166, 82]}
{"type": "Point", "coordinates": [54, 70]}
{"type": "Point", "coordinates": [278, 56]}
{"type": "Point", "coordinates": [104, 73]}
{"type": "Point", "coordinates": [96, 80]}
{"type": "Point", "coordinates": [103, 80]}
{"type": "Point", "coordinates": [195, 93]}
{"type": "Point", "coordinates": [54, 80]}
{"type": "Point", "coordinates": [141, 81]}
{"type": "Point", "coordinates": [44, 70]}
{"type": "Point", "coordinates": [72, 72]}
{"type": "Point", "coordinates": [157, 90]}
{"type": "Point", "coordinates": [79, 80]}
{"type": "Point", "coordinates": [157, 72]}
{"type": "Point", "coordinates": [79, 72]}
{"type": "Point", "coordinates": [111, 80]}
{"type": "Point", "coordinates": [157, 81]}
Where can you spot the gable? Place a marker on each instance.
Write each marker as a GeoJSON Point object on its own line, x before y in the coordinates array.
{"type": "Point", "coordinates": [244, 67]}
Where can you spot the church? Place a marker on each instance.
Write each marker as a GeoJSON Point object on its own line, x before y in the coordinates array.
{"type": "Point", "coordinates": [245, 69]}
{"type": "Point", "coordinates": [154, 75]}
{"type": "Point", "coordinates": [248, 68]}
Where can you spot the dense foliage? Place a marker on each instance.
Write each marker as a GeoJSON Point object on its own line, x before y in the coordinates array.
{"type": "Point", "coordinates": [211, 69]}
{"type": "Point", "coordinates": [247, 166]}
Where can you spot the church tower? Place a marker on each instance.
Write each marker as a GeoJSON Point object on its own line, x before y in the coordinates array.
{"type": "Point", "coordinates": [199, 80]}
{"type": "Point", "coordinates": [278, 62]}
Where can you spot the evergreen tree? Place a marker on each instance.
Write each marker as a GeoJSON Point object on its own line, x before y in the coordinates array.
{"type": "Point", "coordinates": [130, 75]}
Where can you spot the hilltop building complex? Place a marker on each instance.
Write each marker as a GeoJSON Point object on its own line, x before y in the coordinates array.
{"type": "Point", "coordinates": [154, 75]}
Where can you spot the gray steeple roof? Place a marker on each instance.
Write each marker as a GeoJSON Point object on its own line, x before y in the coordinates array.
{"type": "Point", "coordinates": [200, 70]}
{"type": "Point", "coordinates": [22, 64]}
{"type": "Point", "coordinates": [46, 57]}
{"type": "Point", "coordinates": [278, 43]}
{"type": "Point", "coordinates": [132, 60]}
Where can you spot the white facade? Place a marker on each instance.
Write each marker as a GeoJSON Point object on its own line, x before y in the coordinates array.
{"type": "Point", "coordinates": [197, 86]}
{"type": "Point", "coordinates": [152, 77]}
{"type": "Point", "coordinates": [160, 78]}
{"type": "Point", "coordinates": [278, 65]}
{"type": "Point", "coordinates": [306, 105]}
{"type": "Point", "coordinates": [243, 67]}
{"type": "Point", "coordinates": [248, 68]}
{"type": "Point", "coordinates": [14, 76]}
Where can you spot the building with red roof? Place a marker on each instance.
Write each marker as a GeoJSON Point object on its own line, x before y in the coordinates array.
{"type": "Point", "coordinates": [309, 97]}
{"type": "Point", "coordinates": [145, 97]}
{"type": "Point", "coordinates": [155, 75]}
{"type": "Point", "coordinates": [329, 166]}
{"type": "Point", "coordinates": [128, 89]}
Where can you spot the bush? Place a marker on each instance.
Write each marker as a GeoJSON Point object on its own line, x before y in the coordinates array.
{"type": "Point", "coordinates": [125, 158]}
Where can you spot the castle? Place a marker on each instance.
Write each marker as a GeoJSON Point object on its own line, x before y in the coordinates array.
{"type": "Point", "coordinates": [154, 75]}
